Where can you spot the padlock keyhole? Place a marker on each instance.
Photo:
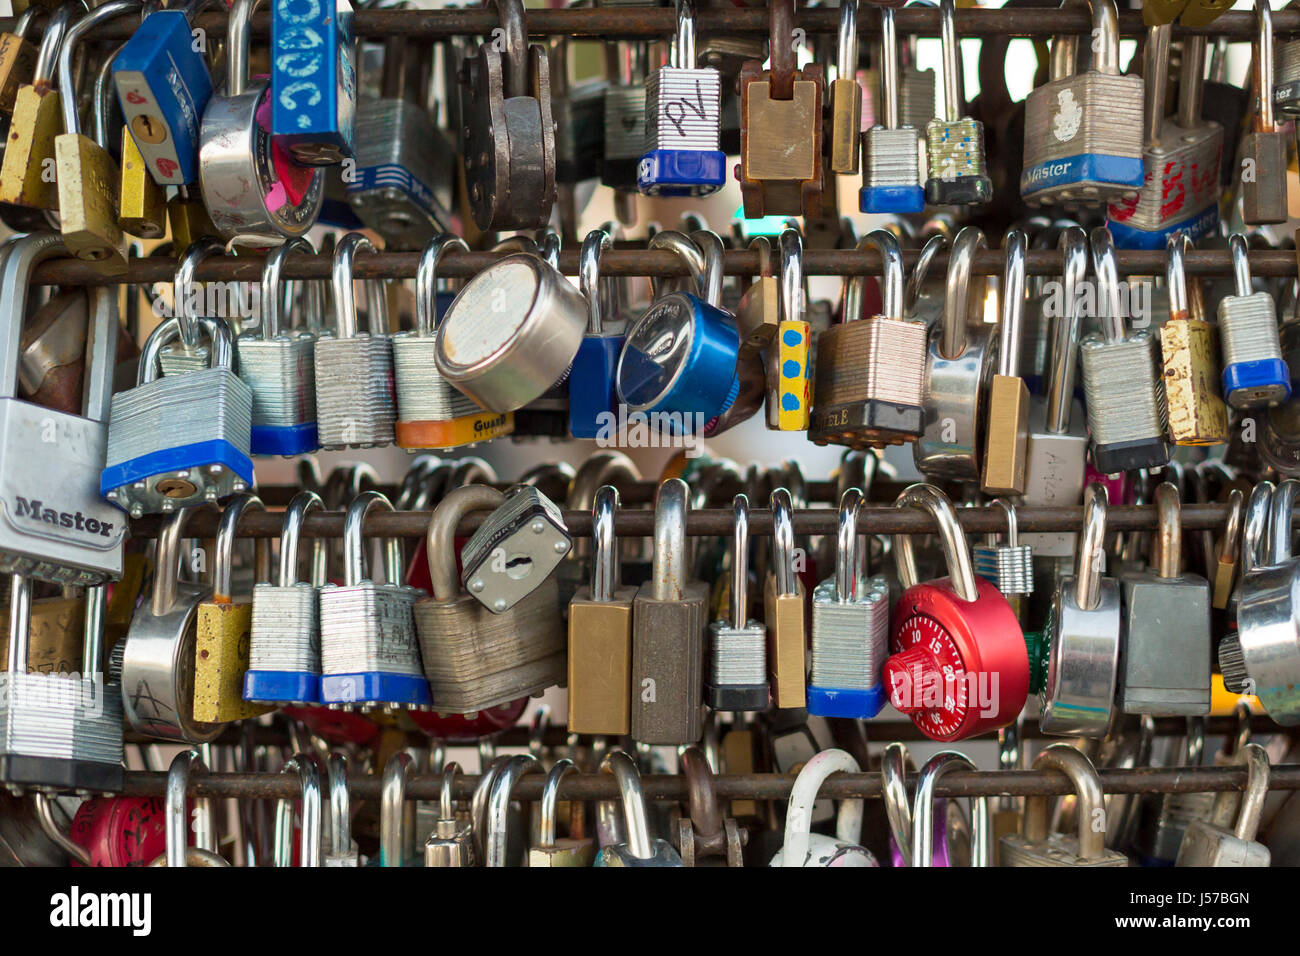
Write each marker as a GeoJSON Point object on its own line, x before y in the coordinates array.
{"type": "Point", "coordinates": [519, 567]}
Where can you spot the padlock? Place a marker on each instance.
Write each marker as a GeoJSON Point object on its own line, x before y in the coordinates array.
{"type": "Point", "coordinates": [1166, 669]}
{"type": "Point", "coordinates": [850, 629]}
{"type": "Point", "coordinates": [958, 368]}
{"type": "Point", "coordinates": [342, 849]}
{"type": "Point", "coordinates": [623, 106]}
{"type": "Point", "coordinates": [1125, 415]}
{"type": "Point", "coordinates": [163, 86]}
{"type": "Point", "coordinates": [119, 831]}
{"type": "Point", "coordinates": [737, 672]}
{"type": "Point", "coordinates": [784, 610]}
{"type": "Point", "coordinates": [780, 169]}
{"type": "Point", "coordinates": [309, 828]}
{"type": "Point", "coordinates": [683, 105]}
{"type": "Point", "coordinates": [355, 406]}
{"type": "Point", "coordinates": [1286, 82]}
{"type": "Point", "coordinates": [1255, 528]}
{"type": "Point", "coordinates": [802, 848]}
{"type": "Point", "coordinates": [249, 183]}
{"type": "Point", "coordinates": [179, 823]}
{"type": "Point", "coordinates": [637, 848]}
{"type": "Point", "coordinates": [141, 202]}
{"type": "Point", "coordinates": [789, 378]}
{"type": "Point", "coordinates": [451, 844]}
{"type": "Point", "coordinates": [869, 374]}
{"type": "Point", "coordinates": [959, 666]}
{"type": "Point", "coordinates": [59, 729]}
{"type": "Point", "coordinates": [679, 361]}
{"type": "Point", "coordinates": [891, 164]}
{"type": "Point", "coordinates": [496, 835]}
{"type": "Point", "coordinates": [515, 550]}
{"type": "Point", "coordinates": [704, 835]}
{"type": "Point", "coordinates": [1264, 149]}
{"type": "Point", "coordinates": [56, 633]}
{"type": "Point", "coordinates": [1212, 843]}
{"type": "Point", "coordinates": [602, 468]}
{"type": "Point", "coordinates": [17, 57]}
{"type": "Point", "coordinates": [508, 135]}
{"type": "Point", "coordinates": [314, 80]}
{"type": "Point", "coordinates": [396, 819]}
{"type": "Point", "coordinates": [188, 218]}
{"type": "Point", "coordinates": [1254, 373]}
{"type": "Point", "coordinates": [475, 659]}
{"type": "Point", "coordinates": [71, 536]}
{"type": "Point", "coordinates": [758, 312]}
{"type": "Point", "coordinates": [579, 110]}
{"type": "Point", "coordinates": [1163, 820]}
{"type": "Point", "coordinates": [1083, 131]}
{"type": "Point", "coordinates": [1227, 555]}
{"type": "Point", "coordinates": [1010, 566]}
{"type": "Point", "coordinates": [1008, 416]}
{"type": "Point", "coordinates": [511, 333]}
{"type": "Point", "coordinates": [222, 641]}
{"type": "Point", "coordinates": [958, 171]}
{"type": "Point", "coordinates": [1083, 633]}
{"type": "Point", "coordinates": [591, 382]}
{"type": "Point", "coordinates": [551, 850]}
{"type": "Point", "coordinates": [188, 354]}
{"type": "Point", "coordinates": [369, 655]}
{"type": "Point", "coordinates": [156, 660]}
{"type": "Point", "coordinates": [923, 826]}
{"type": "Point", "coordinates": [846, 97]}
{"type": "Point", "coordinates": [1035, 846]}
{"type": "Point", "coordinates": [600, 633]}
{"type": "Point", "coordinates": [157, 461]}
{"type": "Point", "coordinates": [1197, 415]}
{"type": "Point", "coordinates": [27, 172]}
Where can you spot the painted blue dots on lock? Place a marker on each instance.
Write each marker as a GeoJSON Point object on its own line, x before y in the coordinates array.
{"type": "Point", "coordinates": [790, 402]}
{"type": "Point", "coordinates": [790, 368]}
{"type": "Point", "coordinates": [792, 337]}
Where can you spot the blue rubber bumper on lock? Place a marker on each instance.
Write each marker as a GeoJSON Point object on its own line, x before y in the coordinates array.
{"type": "Point", "coordinates": [375, 687]}
{"type": "Point", "coordinates": [1196, 227]}
{"type": "Point", "coordinates": [282, 687]}
{"type": "Point", "coordinates": [891, 199]}
{"type": "Point", "coordinates": [198, 455]}
{"type": "Point", "coordinates": [1086, 167]}
{"type": "Point", "coordinates": [1265, 373]}
{"type": "Point", "coordinates": [832, 702]}
{"type": "Point", "coordinates": [681, 172]}
{"type": "Point", "coordinates": [287, 440]}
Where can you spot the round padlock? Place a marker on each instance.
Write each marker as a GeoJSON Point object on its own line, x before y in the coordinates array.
{"type": "Point", "coordinates": [120, 831]}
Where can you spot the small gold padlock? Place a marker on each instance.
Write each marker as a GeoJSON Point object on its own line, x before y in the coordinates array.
{"type": "Point", "coordinates": [759, 310]}
{"type": "Point", "coordinates": [1228, 553]}
{"type": "Point", "coordinates": [189, 219]}
{"type": "Point", "coordinates": [1197, 413]}
{"type": "Point", "coordinates": [17, 59]}
{"type": "Point", "coordinates": [142, 205]}
{"type": "Point", "coordinates": [1006, 445]}
{"type": "Point", "coordinates": [846, 97]}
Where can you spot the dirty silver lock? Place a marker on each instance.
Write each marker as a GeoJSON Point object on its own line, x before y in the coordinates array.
{"type": "Point", "coordinates": [515, 550]}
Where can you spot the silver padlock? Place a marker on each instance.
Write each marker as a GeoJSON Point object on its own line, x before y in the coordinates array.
{"type": "Point", "coordinates": [981, 829]}
{"type": "Point", "coordinates": [1212, 843]}
{"type": "Point", "coordinates": [498, 810]}
{"type": "Point", "coordinates": [737, 679]}
{"type": "Point", "coordinates": [515, 550]}
{"type": "Point", "coordinates": [638, 848]}
{"type": "Point", "coordinates": [179, 824]}
{"type": "Point", "coordinates": [451, 844]}
{"type": "Point", "coordinates": [1009, 566]}
{"type": "Point", "coordinates": [342, 849]}
{"type": "Point", "coordinates": [188, 353]}
{"type": "Point", "coordinates": [309, 845]}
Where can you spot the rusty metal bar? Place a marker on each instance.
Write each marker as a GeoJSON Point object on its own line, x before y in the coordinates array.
{"type": "Point", "coordinates": [759, 786]}
{"type": "Point", "coordinates": [632, 262]}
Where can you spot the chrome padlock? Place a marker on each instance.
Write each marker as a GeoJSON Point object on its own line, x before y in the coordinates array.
{"type": "Point", "coordinates": [250, 184]}
{"type": "Point", "coordinates": [515, 550]}
{"type": "Point", "coordinates": [451, 844]}
{"type": "Point", "coordinates": [737, 679]}
{"type": "Point", "coordinates": [1254, 374]}
{"type": "Point", "coordinates": [802, 847]}
{"type": "Point", "coordinates": [355, 406]}
{"type": "Point", "coordinates": [1010, 566]}
{"type": "Point", "coordinates": [181, 822]}
{"type": "Point", "coordinates": [789, 353]}
{"type": "Point", "coordinates": [313, 80]}
{"type": "Point", "coordinates": [341, 850]}
{"type": "Point", "coordinates": [310, 835]}
{"type": "Point", "coordinates": [638, 849]}
{"type": "Point", "coordinates": [58, 528]}
{"type": "Point", "coordinates": [1212, 843]}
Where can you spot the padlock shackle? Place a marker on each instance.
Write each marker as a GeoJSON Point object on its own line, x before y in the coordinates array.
{"type": "Point", "coordinates": [686, 250]}
{"type": "Point", "coordinates": [1176, 247]}
{"type": "Point", "coordinates": [310, 835]}
{"type": "Point", "coordinates": [889, 71]}
{"type": "Point", "coordinates": [345, 305]}
{"type": "Point", "coordinates": [27, 17]}
{"type": "Point", "coordinates": [783, 542]}
{"type": "Point", "coordinates": [1073, 243]}
{"type": "Point", "coordinates": [20, 622]}
{"type": "Point", "coordinates": [892, 273]}
{"type": "Point", "coordinates": [440, 538]}
{"type": "Point", "coordinates": [392, 810]}
{"type": "Point", "coordinates": [1013, 526]}
{"type": "Point", "coordinates": [1105, 41]}
{"type": "Point", "coordinates": [1090, 550]}
{"type": "Point", "coordinates": [803, 794]}
{"type": "Point", "coordinates": [1246, 827]}
{"type": "Point", "coordinates": [1155, 81]}
{"type": "Point", "coordinates": [595, 243]}
{"type": "Point", "coordinates": [167, 558]}
{"type": "Point", "coordinates": [548, 817]}
{"type": "Point", "coordinates": [499, 805]}
{"type": "Point", "coordinates": [1254, 533]}
{"type": "Point", "coordinates": [237, 37]}
{"type": "Point", "coordinates": [220, 342]}
{"type": "Point", "coordinates": [103, 98]}
{"type": "Point", "coordinates": [446, 798]}
{"type": "Point", "coordinates": [893, 791]}
{"type": "Point", "coordinates": [354, 558]}
{"type": "Point", "coordinates": [183, 281]}
{"type": "Point", "coordinates": [1229, 548]}
{"type": "Point", "coordinates": [669, 571]}
{"type": "Point", "coordinates": [683, 52]}
{"type": "Point", "coordinates": [426, 281]}
{"type": "Point", "coordinates": [632, 798]}
{"type": "Point", "coordinates": [981, 824]}
{"type": "Point", "coordinates": [846, 62]}
{"type": "Point", "coordinates": [1191, 81]}
{"type": "Point", "coordinates": [739, 596]}
{"type": "Point", "coordinates": [177, 827]}
{"type": "Point", "coordinates": [471, 469]}
{"type": "Point", "coordinates": [1167, 543]}
{"type": "Point", "coordinates": [56, 30]}
{"type": "Point", "coordinates": [346, 481]}
{"type": "Point", "coordinates": [921, 272]}
{"type": "Point", "coordinates": [1105, 267]}
{"type": "Point", "coordinates": [951, 70]}
{"type": "Point", "coordinates": [1281, 521]}
{"type": "Point", "coordinates": [92, 647]}
{"type": "Point", "coordinates": [602, 468]}
{"type": "Point", "coordinates": [19, 255]}
{"type": "Point", "coordinates": [223, 561]}
{"type": "Point", "coordinates": [780, 34]}
{"type": "Point", "coordinates": [1012, 296]}
{"type": "Point", "coordinates": [1261, 51]}
{"type": "Point", "coordinates": [701, 798]}
{"type": "Point", "coordinates": [110, 10]}
{"type": "Point", "coordinates": [956, 554]}
{"type": "Point", "coordinates": [273, 290]}
{"type": "Point", "coordinates": [340, 818]}
{"type": "Point", "coordinates": [1239, 250]}
{"type": "Point", "coordinates": [847, 577]}
{"type": "Point", "coordinates": [604, 562]}
{"type": "Point", "coordinates": [512, 44]}
{"type": "Point", "coordinates": [1087, 789]}
{"type": "Point", "coordinates": [960, 308]}
{"type": "Point", "coordinates": [794, 301]}
{"type": "Point", "coordinates": [711, 248]}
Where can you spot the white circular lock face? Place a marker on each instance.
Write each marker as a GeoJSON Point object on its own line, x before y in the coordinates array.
{"type": "Point", "coordinates": [488, 313]}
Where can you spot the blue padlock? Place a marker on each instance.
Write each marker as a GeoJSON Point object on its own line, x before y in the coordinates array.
{"type": "Point", "coordinates": [313, 79]}
{"type": "Point", "coordinates": [591, 381]}
{"type": "Point", "coordinates": [163, 86]}
{"type": "Point", "coordinates": [1254, 374]}
{"type": "Point", "coordinates": [680, 355]}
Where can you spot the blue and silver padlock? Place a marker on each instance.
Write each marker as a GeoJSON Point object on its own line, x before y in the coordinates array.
{"type": "Point", "coordinates": [163, 86]}
{"type": "Point", "coordinates": [591, 382]}
{"type": "Point", "coordinates": [1254, 374]}
{"type": "Point", "coordinates": [313, 79]}
{"type": "Point", "coordinates": [680, 355]}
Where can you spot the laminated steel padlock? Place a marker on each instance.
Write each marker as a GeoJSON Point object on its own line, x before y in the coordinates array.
{"type": "Point", "coordinates": [1166, 660]}
{"type": "Point", "coordinates": [156, 660]}
{"type": "Point", "coordinates": [789, 377]}
{"type": "Point", "coordinates": [850, 629]}
{"type": "Point", "coordinates": [1009, 566]}
{"type": "Point", "coordinates": [57, 528]}
{"type": "Point", "coordinates": [508, 135]}
{"type": "Point", "coordinates": [163, 87]}
{"type": "Point", "coordinates": [1254, 374]}
{"type": "Point", "coordinates": [1264, 150]}
{"type": "Point", "coordinates": [310, 836]}
{"type": "Point", "coordinates": [284, 640]}
{"type": "Point", "coordinates": [958, 171]}
{"type": "Point", "coordinates": [250, 185]}
{"type": "Point", "coordinates": [277, 363]}
{"type": "Point", "coordinates": [1083, 131]}
{"type": "Point", "coordinates": [1008, 416]}
{"type": "Point", "coordinates": [683, 105]}
{"type": "Point", "coordinates": [784, 609]}
{"type": "Point", "coordinates": [624, 113]}
{"type": "Point", "coordinates": [959, 666]}
{"type": "Point", "coordinates": [355, 406]}
{"type": "Point", "coordinates": [923, 817]}
{"type": "Point", "coordinates": [515, 550]}
{"type": "Point", "coordinates": [224, 623]}
{"type": "Point", "coordinates": [802, 847]}
{"type": "Point", "coordinates": [369, 655]}
{"type": "Point", "coordinates": [161, 454]}
{"type": "Point", "coordinates": [1197, 414]}
{"type": "Point", "coordinates": [1083, 633]}
{"type": "Point", "coordinates": [592, 399]}
{"type": "Point", "coordinates": [475, 659]}
{"type": "Point", "coordinates": [637, 848]}
{"type": "Point", "coordinates": [1212, 843]}
{"type": "Point", "coordinates": [737, 675]}
{"type": "Point", "coordinates": [313, 80]}
{"type": "Point", "coordinates": [180, 822]}
{"type": "Point", "coordinates": [431, 412]}
{"type": "Point", "coordinates": [891, 160]}
{"type": "Point", "coordinates": [1034, 845]}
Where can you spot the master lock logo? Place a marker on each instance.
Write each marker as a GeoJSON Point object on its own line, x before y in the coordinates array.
{"type": "Point", "coordinates": [75, 909]}
{"type": "Point", "coordinates": [34, 510]}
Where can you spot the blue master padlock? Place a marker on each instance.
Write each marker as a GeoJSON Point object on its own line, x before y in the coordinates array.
{"type": "Point", "coordinates": [313, 79]}
{"type": "Point", "coordinates": [591, 382]}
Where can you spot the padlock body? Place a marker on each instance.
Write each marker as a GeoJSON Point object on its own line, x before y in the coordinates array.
{"type": "Point", "coordinates": [1269, 641]}
{"type": "Point", "coordinates": [600, 662]}
{"type": "Point", "coordinates": [1057, 850]}
{"type": "Point", "coordinates": [221, 661]}
{"type": "Point", "coordinates": [780, 172]}
{"type": "Point", "coordinates": [668, 666]}
{"type": "Point", "coordinates": [17, 65]}
{"type": "Point", "coordinates": [141, 202]}
{"type": "Point", "coordinates": [1207, 845]}
{"type": "Point", "coordinates": [956, 407]}
{"type": "Point", "coordinates": [1166, 661]}
{"type": "Point", "coordinates": [869, 383]}
{"type": "Point", "coordinates": [369, 655]}
{"type": "Point", "coordinates": [786, 644]}
{"type": "Point", "coordinates": [958, 174]}
{"type": "Point", "coordinates": [1078, 697]}
{"type": "Point", "coordinates": [682, 127]}
{"type": "Point", "coordinates": [355, 406]}
{"type": "Point", "coordinates": [1197, 415]}
{"type": "Point", "coordinates": [1263, 197]}
{"type": "Point", "coordinates": [591, 387]}
{"type": "Point", "coordinates": [789, 398]}
{"type": "Point", "coordinates": [284, 645]}
{"type": "Point", "coordinates": [1124, 412]}
{"type": "Point", "coordinates": [1180, 192]}
{"type": "Point", "coordinates": [61, 731]}
{"type": "Point", "coordinates": [1254, 373]}
{"type": "Point", "coordinates": [891, 178]}
{"type": "Point", "coordinates": [431, 412]}
{"type": "Point", "coordinates": [281, 374]}
{"type": "Point", "coordinates": [314, 78]}
{"type": "Point", "coordinates": [87, 186]}
{"type": "Point", "coordinates": [850, 640]}
{"type": "Point", "coordinates": [25, 172]}
{"type": "Point", "coordinates": [1006, 443]}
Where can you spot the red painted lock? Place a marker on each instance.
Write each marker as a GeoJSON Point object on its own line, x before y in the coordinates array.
{"type": "Point", "coordinates": [960, 666]}
{"type": "Point", "coordinates": [337, 726]}
{"type": "Point", "coordinates": [120, 831]}
{"type": "Point", "coordinates": [456, 728]}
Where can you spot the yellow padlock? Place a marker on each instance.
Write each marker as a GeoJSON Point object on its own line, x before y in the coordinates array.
{"type": "Point", "coordinates": [17, 58]}
{"type": "Point", "coordinates": [142, 206]}
{"type": "Point", "coordinates": [224, 626]}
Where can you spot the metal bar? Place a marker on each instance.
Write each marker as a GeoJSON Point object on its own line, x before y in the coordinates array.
{"type": "Point", "coordinates": [712, 521]}
{"type": "Point", "coordinates": [758, 786]}
{"type": "Point", "coordinates": [601, 23]}
{"type": "Point", "coordinates": [626, 261]}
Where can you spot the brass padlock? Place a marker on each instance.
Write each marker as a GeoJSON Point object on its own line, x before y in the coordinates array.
{"type": "Point", "coordinates": [17, 58]}
{"type": "Point", "coordinates": [142, 205]}
{"type": "Point", "coordinates": [55, 636]}
{"type": "Point", "coordinates": [189, 219]}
